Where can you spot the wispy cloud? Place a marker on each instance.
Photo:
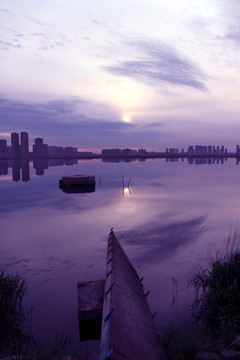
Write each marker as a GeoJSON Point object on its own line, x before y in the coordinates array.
{"type": "Point", "coordinates": [156, 63]}
{"type": "Point", "coordinates": [233, 35]}
{"type": "Point", "coordinates": [63, 119]}
{"type": "Point", "coordinates": [5, 11]}
{"type": "Point", "coordinates": [35, 20]}
{"type": "Point", "coordinates": [5, 45]}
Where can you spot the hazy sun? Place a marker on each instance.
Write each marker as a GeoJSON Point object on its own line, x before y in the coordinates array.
{"type": "Point", "coordinates": [126, 118]}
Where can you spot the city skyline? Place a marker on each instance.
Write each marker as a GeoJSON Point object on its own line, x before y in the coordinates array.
{"type": "Point", "coordinates": [103, 74]}
{"type": "Point", "coordinates": [20, 148]}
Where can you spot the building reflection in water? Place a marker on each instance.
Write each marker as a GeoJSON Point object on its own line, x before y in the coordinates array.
{"type": "Point", "coordinates": [40, 165]}
{"type": "Point", "coordinates": [207, 161]}
{"type": "Point", "coordinates": [25, 170]}
{"type": "Point", "coordinates": [16, 166]}
{"type": "Point", "coordinates": [3, 167]}
{"type": "Point", "coordinates": [21, 168]}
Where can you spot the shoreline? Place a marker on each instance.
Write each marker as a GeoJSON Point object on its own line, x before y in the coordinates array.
{"type": "Point", "coordinates": [140, 157]}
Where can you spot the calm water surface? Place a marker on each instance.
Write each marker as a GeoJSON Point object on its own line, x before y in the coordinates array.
{"type": "Point", "coordinates": [174, 217]}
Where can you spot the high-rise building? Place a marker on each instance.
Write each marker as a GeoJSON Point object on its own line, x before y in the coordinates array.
{"type": "Point", "coordinates": [190, 149]}
{"type": "Point", "coordinates": [15, 144]}
{"type": "Point", "coordinates": [210, 149]}
{"type": "Point", "coordinates": [24, 143]}
{"type": "Point", "coordinates": [3, 146]}
{"type": "Point", "coordinates": [39, 148]}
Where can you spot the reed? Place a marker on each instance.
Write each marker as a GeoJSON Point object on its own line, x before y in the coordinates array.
{"type": "Point", "coordinates": [13, 321]}
{"type": "Point", "coordinates": [16, 338]}
{"type": "Point", "coordinates": [217, 295]}
{"type": "Point", "coordinates": [215, 309]}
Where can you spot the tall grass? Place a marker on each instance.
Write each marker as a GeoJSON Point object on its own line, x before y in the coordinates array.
{"type": "Point", "coordinates": [215, 309]}
{"type": "Point", "coordinates": [13, 328]}
{"type": "Point", "coordinates": [16, 339]}
{"type": "Point", "coordinates": [217, 292]}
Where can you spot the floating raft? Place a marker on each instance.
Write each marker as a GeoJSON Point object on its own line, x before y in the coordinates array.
{"type": "Point", "coordinates": [77, 180]}
{"type": "Point", "coordinates": [78, 183]}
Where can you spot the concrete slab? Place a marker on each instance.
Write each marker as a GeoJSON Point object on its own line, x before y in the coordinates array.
{"type": "Point", "coordinates": [90, 305]}
{"type": "Point", "coordinates": [128, 329]}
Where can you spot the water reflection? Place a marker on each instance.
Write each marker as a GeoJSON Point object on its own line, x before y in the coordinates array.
{"type": "Point", "coordinates": [81, 189]}
{"type": "Point", "coordinates": [208, 161]}
{"type": "Point", "coordinates": [21, 168]}
{"type": "Point", "coordinates": [174, 215]}
{"type": "Point", "coordinates": [158, 241]}
{"type": "Point", "coordinates": [127, 191]}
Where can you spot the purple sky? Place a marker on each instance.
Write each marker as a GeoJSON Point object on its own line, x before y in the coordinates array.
{"type": "Point", "coordinates": [130, 73]}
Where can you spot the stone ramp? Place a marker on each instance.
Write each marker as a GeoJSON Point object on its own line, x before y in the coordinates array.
{"type": "Point", "coordinates": [128, 329]}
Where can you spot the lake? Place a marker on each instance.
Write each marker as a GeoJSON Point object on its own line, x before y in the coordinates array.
{"type": "Point", "coordinates": [170, 217]}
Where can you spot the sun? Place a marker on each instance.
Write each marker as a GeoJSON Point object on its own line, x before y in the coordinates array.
{"type": "Point", "coordinates": [126, 118]}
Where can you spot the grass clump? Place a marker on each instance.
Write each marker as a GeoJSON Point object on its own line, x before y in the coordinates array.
{"type": "Point", "coordinates": [16, 339]}
{"type": "Point", "coordinates": [181, 345]}
{"type": "Point", "coordinates": [215, 309]}
{"type": "Point", "coordinates": [13, 329]}
{"type": "Point", "coordinates": [217, 296]}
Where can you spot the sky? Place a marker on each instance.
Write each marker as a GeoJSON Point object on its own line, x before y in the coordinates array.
{"type": "Point", "coordinates": [115, 74]}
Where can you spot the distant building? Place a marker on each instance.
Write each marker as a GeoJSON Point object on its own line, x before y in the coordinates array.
{"type": "Point", "coordinates": [120, 152]}
{"type": "Point", "coordinates": [59, 151]}
{"type": "Point", "coordinates": [15, 144]}
{"type": "Point", "coordinates": [209, 149]}
{"type": "Point", "coordinates": [190, 149]}
{"type": "Point", "coordinates": [172, 151]}
{"type": "Point", "coordinates": [129, 152]}
{"type": "Point", "coordinates": [206, 150]}
{"type": "Point", "coordinates": [3, 146]}
{"type": "Point", "coordinates": [55, 150]}
{"type": "Point", "coordinates": [111, 152]}
{"type": "Point", "coordinates": [39, 148]}
{"type": "Point", "coordinates": [200, 149]}
{"type": "Point", "coordinates": [142, 152]}
{"type": "Point", "coordinates": [24, 144]}
{"type": "Point", "coordinates": [69, 150]}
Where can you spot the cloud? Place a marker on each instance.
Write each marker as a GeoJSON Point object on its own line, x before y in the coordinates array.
{"type": "Point", "coordinates": [5, 11]}
{"type": "Point", "coordinates": [36, 21]}
{"type": "Point", "coordinates": [232, 35]}
{"type": "Point", "coordinates": [156, 63]}
{"type": "Point", "coordinates": [66, 122]}
{"type": "Point", "coordinates": [5, 45]}
{"type": "Point", "coordinates": [40, 34]}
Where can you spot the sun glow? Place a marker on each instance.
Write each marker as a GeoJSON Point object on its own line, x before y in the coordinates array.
{"type": "Point", "coordinates": [126, 118]}
{"type": "Point", "coordinates": [127, 191]}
